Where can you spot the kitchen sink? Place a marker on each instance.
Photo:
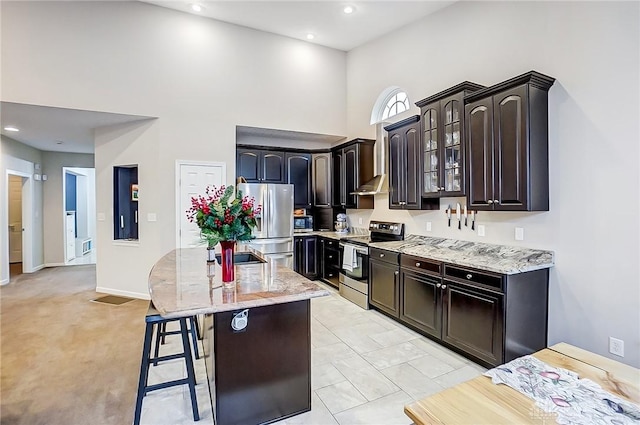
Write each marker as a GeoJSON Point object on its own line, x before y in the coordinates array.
{"type": "Point", "coordinates": [242, 258]}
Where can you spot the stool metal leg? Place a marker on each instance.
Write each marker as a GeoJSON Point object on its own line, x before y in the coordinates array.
{"type": "Point", "coordinates": [144, 372]}
{"type": "Point", "coordinates": [191, 375]}
{"type": "Point", "coordinates": [194, 336]}
{"type": "Point", "coordinates": [159, 337]}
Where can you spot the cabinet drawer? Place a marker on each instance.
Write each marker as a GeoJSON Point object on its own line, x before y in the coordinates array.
{"type": "Point", "coordinates": [329, 243]}
{"type": "Point", "coordinates": [332, 257]}
{"type": "Point", "coordinates": [384, 255]}
{"type": "Point", "coordinates": [424, 265]}
{"type": "Point", "coordinates": [488, 279]}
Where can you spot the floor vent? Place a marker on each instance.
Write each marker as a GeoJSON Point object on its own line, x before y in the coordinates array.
{"type": "Point", "coordinates": [113, 300]}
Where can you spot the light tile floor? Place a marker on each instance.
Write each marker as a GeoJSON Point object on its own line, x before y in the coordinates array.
{"type": "Point", "coordinates": [365, 368]}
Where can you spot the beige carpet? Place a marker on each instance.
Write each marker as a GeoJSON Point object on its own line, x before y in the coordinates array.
{"type": "Point", "coordinates": [64, 359]}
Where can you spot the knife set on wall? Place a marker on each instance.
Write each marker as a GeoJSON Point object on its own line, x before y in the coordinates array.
{"type": "Point", "coordinates": [459, 215]}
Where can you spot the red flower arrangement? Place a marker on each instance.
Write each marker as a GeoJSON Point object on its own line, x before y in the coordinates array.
{"type": "Point", "coordinates": [222, 215]}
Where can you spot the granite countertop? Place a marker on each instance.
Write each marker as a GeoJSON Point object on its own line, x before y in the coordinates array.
{"type": "Point", "coordinates": [352, 233]}
{"type": "Point", "coordinates": [182, 283]}
{"type": "Point", "coordinates": [496, 258]}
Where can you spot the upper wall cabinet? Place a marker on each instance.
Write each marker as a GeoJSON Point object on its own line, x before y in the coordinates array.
{"type": "Point", "coordinates": [260, 166]}
{"type": "Point", "coordinates": [507, 142]}
{"type": "Point", "coordinates": [352, 166]}
{"type": "Point", "coordinates": [321, 180]}
{"type": "Point", "coordinates": [405, 164]}
{"type": "Point", "coordinates": [298, 167]}
{"type": "Point", "coordinates": [443, 130]}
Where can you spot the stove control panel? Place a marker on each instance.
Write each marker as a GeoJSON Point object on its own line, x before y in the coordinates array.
{"type": "Point", "coordinates": [386, 228]}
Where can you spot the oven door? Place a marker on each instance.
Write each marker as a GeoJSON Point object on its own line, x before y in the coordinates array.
{"type": "Point", "coordinates": [360, 265]}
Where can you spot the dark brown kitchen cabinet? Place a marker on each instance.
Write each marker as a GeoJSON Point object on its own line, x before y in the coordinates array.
{"type": "Point", "coordinates": [321, 180]}
{"type": "Point", "coordinates": [507, 143]}
{"type": "Point", "coordinates": [260, 166]}
{"type": "Point", "coordinates": [384, 281]}
{"type": "Point", "coordinates": [330, 261]}
{"type": "Point", "coordinates": [352, 166]}
{"type": "Point", "coordinates": [405, 164]}
{"type": "Point", "coordinates": [305, 258]}
{"type": "Point", "coordinates": [421, 294]}
{"type": "Point", "coordinates": [298, 166]}
{"type": "Point", "coordinates": [443, 130]}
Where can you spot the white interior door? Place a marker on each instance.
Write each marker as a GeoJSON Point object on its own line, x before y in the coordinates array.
{"type": "Point", "coordinates": [193, 181]}
{"type": "Point", "coordinates": [15, 219]}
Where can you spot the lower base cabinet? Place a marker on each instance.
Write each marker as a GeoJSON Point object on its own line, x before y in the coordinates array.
{"type": "Point", "coordinates": [305, 256]}
{"type": "Point", "coordinates": [384, 282]}
{"type": "Point", "coordinates": [330, 261]}
{"type": "Point", "coordinates": [488, 317]}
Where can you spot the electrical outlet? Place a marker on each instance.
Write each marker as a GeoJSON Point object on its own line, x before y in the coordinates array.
{"type": "Point", "coordinates": [428, 226]}
{"type": "Point", "coordinates": [616, 346]}
{"type": "Point", "coordinates": [519, 234]}
{"type": "Point", "coordinates": [360, 220]}
{"type": "Point", "coordinates": [480, 229]}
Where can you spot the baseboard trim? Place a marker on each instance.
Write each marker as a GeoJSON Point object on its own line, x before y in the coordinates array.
{"type": "Point", "coordinates": [4, 282]}
{"type": "Point", "coordinates": [37, 268]}
{"type": "Point", "coordinates": [129, 294]}
{"type": "Point", "coordinates": [53, 264]}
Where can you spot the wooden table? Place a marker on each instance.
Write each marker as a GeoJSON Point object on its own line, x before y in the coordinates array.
{"type": "Point", "coordinates": [479, 401]}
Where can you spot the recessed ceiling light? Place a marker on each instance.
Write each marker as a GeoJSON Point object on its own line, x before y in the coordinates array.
{"type": "Point", "coordinates": [11, 128]}
{"type": "Point", "coordinates": [349, 9]}
{"type": "Point", "coordinates": [196, 7]}
{"type": "Point", "coordinates": [310, 36]}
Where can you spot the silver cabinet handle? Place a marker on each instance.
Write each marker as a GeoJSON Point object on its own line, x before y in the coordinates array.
{"type": "Point", "coordinates": [469, 276]}
{"type": "Point", "coordinates": [396, 273]}
{"type": "Point", "coordinates": [495, 201]}
{"type": "Point", "coordinates": [489, 201]}
{"type": "Point", "coordinates": [417, 264]}
{"type": "Point", "coordinates": [442, 188]}
{"type": "Point", "coordinates": [381, 255]}
{"type": "Point", "coordinates": [122, 222]}
{"type": "Point", "coordinates": [136, 214]}
{"type": "Point", "coordinates": [444, 286]}
{"type": "Point", "coordinates": [331, 256]}
{"type": "Point", "coordinates": [438, 285]}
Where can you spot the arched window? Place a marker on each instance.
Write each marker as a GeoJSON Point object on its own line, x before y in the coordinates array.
{"type": "Point", "coordinates": [392, 101]}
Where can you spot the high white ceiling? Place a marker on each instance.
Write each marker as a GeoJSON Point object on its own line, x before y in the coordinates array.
{"type": "Point", "coordinates": [325, 19]}
{"type": "Point", "coordinates": [43, 127]}
{"type": "Point", "coordinates": [56, 129]}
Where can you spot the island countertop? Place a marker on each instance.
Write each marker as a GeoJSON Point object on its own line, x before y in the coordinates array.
{"type": "Point", "coordinates": [182, 284]}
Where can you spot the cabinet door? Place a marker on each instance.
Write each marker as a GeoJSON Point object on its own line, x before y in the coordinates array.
{"type": "Point", "coordinates": [299, 175]}
{"type": "Point", "coordinates": [273, 167]}
{"type": "Point", "coordinates": [421, 304]}
{"type": "Point", "coordinates": [472, 320]}
{"type": "Point", "coordinates": [413, 164]}
{"type": "Point", "coordinates": [431, 157]}
{"type": "Point", "coordinates": [321, 180]}
{"type": "Point", "coordinates": [298, 255]}
{"type": "Point", "coordinates": [338, 176]}
{"type": "Point", "coordinates": [384, 290]}
{"type": "Point", "coordinates": [510, 111]}
{"type": "Point", "coordinates": [479, 120]}
{"type": "Point", "coordinates": [351, 172]}
{"type": "Point", "coordinates": [452, 153]}
{"type": "Point", "coordinates": [310, 262]}
{"type": "Point", "coordinates": [396, 170]}
{"type": "Point", "coordinates": [248, 165]}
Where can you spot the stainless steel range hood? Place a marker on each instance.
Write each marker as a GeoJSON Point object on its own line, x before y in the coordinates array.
{"type": "Point", "coordinates": [379, 183]}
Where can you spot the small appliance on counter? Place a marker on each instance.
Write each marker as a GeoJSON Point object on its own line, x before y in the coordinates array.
{"type": "Point", "coordinates": [341, 223]}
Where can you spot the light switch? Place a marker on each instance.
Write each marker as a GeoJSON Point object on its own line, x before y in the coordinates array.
{"type": "Point", "coordinates": [428, 226]}
{"type": "Point", "coordinates": [360, 220]}
{"type": "Point", "coordinates": [519, 234]}
{"type": "Point", "coordinates": [101, 217]}
{"type": "Point", "coordinates": [480, 229]}
{"type": "Point", "coordinates": [152, 217]}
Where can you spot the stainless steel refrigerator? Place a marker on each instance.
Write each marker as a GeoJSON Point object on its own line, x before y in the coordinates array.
{"type": "Point", "coordinates": [274, 230]}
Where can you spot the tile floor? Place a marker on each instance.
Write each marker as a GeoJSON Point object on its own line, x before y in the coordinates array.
{"type": "Point", "coordinates": [364, 368]}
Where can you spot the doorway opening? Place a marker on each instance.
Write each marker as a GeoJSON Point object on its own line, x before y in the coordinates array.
{"type": "Point", "coordinates": [16, 225]}
{"type": "Point", "coordinates": [79, 191]}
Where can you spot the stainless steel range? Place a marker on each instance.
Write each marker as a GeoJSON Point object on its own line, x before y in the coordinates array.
{"type": "Point", "coordinates": [354, 272]}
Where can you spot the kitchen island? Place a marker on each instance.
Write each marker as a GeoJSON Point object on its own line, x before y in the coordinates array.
{"type": "Point", "coordinates": [256, 336]}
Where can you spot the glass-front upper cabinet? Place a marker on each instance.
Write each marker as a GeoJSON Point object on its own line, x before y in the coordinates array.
{"type": "Point", "coordinates": [430, 144]}
{"type": "Point", "coordinates": [442, 117]}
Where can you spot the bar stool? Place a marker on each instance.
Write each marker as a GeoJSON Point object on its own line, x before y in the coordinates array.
{"type": "Point", "coordinates": [161, 332]}
{"type": "Point", "coordinates": [152, 319]}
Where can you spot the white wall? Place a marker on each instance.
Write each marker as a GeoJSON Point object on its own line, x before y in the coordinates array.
{"type": "Point", "coordinates": [18, 157]}
{"type": "Point", "coordinates": [592, 49]}
{"type": "Point", "coordinates": [200, 77]}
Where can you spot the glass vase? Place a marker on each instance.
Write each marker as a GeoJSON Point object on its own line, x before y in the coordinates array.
{"type": "Point", "coordinates": [228, 277]}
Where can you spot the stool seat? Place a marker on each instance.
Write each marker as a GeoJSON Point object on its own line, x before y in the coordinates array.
{"type": "Point", "coordinates": [153, 318]}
